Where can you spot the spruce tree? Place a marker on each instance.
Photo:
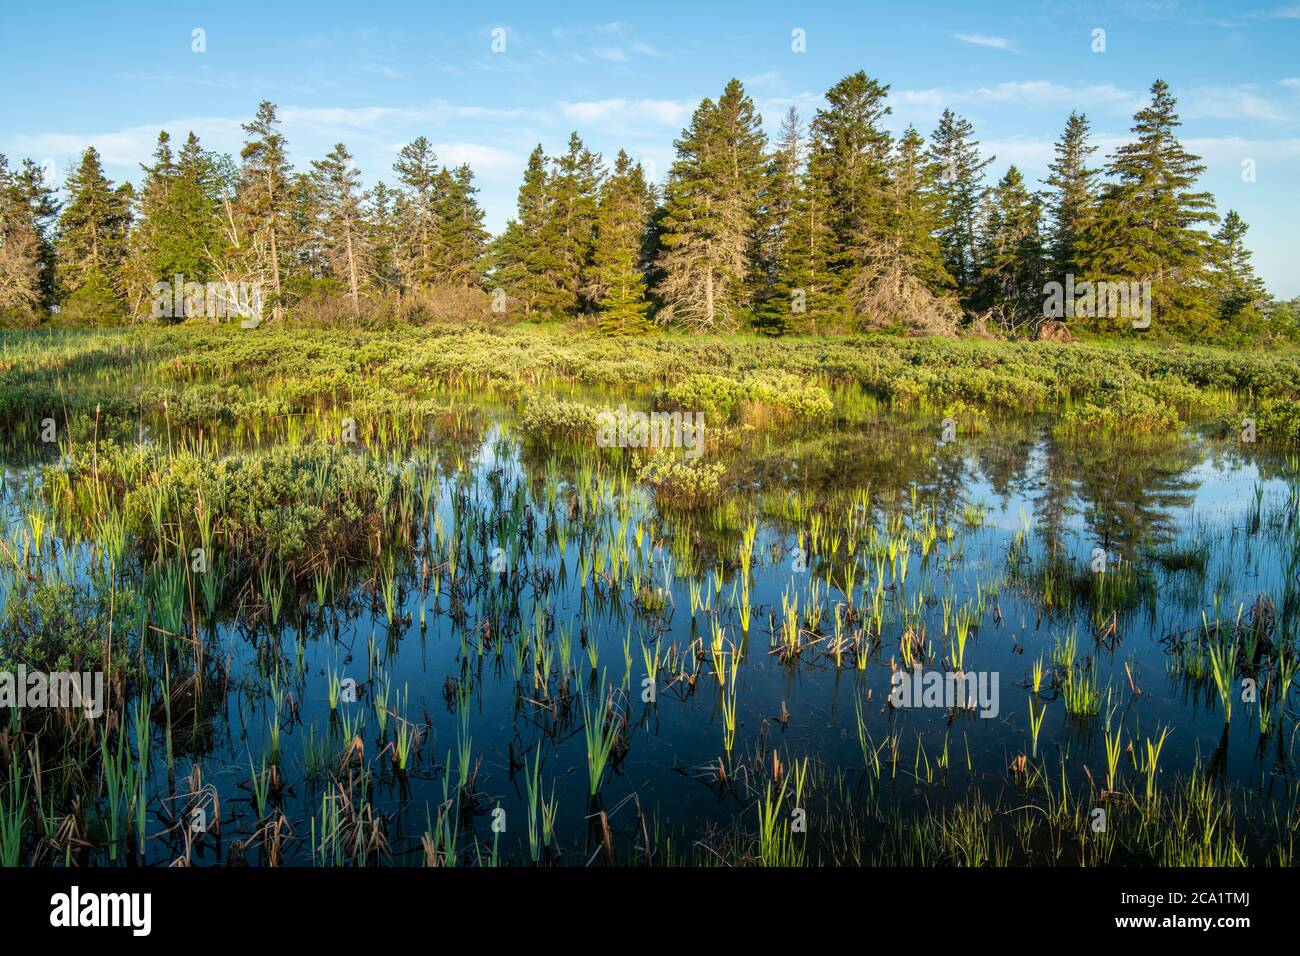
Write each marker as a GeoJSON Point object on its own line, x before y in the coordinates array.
{"type": "Point", "coordinates": [417, 172]}
{"type": "Point", "coordinates": [617, 277]}
{"type": "Point", "coordinates": [302, 245]}
{"type": "Point", "coordinates": [177, 228]}
{"type": "Point", "coordinates": [902, 279]}
{"type": "Point", "coordinates": [23, 246]}
{"type": "Point", "coordinates": [780, 302]}
{"type": "Point", "coordinates": [574, 186]}
{"type": "Point", "coordinates": [810, 253]}
{"type": "Point", "coordinates": [709, 228]}
{"type": "Point", "coordinates": [265, 193]}
{"type": "Point", "coordinates": [147, 263]}
{"type": "Point", "coordinates": [1011, 259]}
{"type": "Point", "coordinates": [850, 155]}
{"type": "Point", "coordinates": [197, 245]}
{"type": "Point", "coordinates": [1071, 196]}
{"type": "Point", "coordinates": [914, 210]}
{"type": "Point", "coordinates": [1148, 226]}
{"type": "Point", "coordinates": [338, 184]}
{"type": "Point", "coordinates": [462, 238]}
{"type": "Point", "coordinates": [92, 243]}
{"type": "Point", "coordinates": [1239, 290]}
{"type": "Point", "coordinates": [525, 265]}
{"type": "Point", "coordinates": [959, 175]}
{"type": "Point", "coordinates": [379, 221]}
{"type": "Point", "coordinates": [42, 215]}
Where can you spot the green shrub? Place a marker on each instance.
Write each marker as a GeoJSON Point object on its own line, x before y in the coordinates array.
{"type": "Point", "coordinates": [683, 482]}
{"type": "Point", "coordinates": [1124, 413]}
{"type": "Point", "coordinates": [1280, 422]}
{"type": "Point", "coordinates": [546, 417]}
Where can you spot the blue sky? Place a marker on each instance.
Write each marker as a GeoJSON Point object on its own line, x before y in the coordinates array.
{"type": "Point", "coordinates": [375, 75]}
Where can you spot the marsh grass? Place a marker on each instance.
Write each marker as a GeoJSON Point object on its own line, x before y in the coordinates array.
{"type": "Point", "coordinates": [322, 551]}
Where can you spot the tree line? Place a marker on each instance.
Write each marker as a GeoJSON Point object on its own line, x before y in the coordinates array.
{"type": "Point", "coordinates": [837, 225]}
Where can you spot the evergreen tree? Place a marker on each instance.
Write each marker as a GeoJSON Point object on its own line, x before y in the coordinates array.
{"type": "Point", "coordinates": [959, 174]}
{"type": "Point", "coordinates": [809, 255]}
{"type": "Point", "coordinates": [417, 172]}
{"type": "Point", "coordinates": [1148, 223]}
{"type": "Point", "coordinates": [42, 215]}
{"type": "Point", "coordinates": [23, 245]}
{"type": "Point", "coordinates": [265, 193]}
{"type": "Point", "coordinates": [338, 185]}
{"type": "Point", "coordinates": [147, 263]}
{"type": "Point", "coordinates": [901, 278]}
{"type": "Point", "coordinates": [1071, 196]}
{"type": "Point", "coordinates": [525, 265]}
{"type": "Point", "coordinates": [617, 276]}
{"type": "Point", "coordinates": [462, 238]}
{"type": "Point", "coordinates": [914, 209]}
{"type": "Point", "coordinates": [92, 243]}
{"type": "Point", "coordinates": [197, 246]}
{"type": "Point", "coordinates": [1012, 260]}
{"type": "Point", "coordinates": [382, 237]}
{"type": "Point", "coordinates": [302, 247]}
{"type": "Point", "coordinates": [885, 266]}
{"type": "Point", "coordinates": [780, 303]}
{"type": "Point", "coordinates": [850, 154]}
{"type": "Point", "coordinates": [575, 190]}
{"type": "Point", "coordinates": [177, 229]}
{"type": "Point", "coordinates": [708, 232]}
{"type": "Point", "coordinates": [1241, 293]}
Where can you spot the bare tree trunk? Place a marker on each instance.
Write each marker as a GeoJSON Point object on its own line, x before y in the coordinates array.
{"type": "Point", "coordinates": [352, 277]}
{"type": "Point", "coordinates": [275, 272]}
{"type": "Point", "coordinates": [275, 255]}
{"type": "Point", "coordinates": [708, 295]}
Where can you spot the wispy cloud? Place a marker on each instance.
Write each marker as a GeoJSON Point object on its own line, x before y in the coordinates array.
{"type": "Point", "coordinates": [483, 158]}
{"type": "Point", "coordinates": [373, 117]}
{"type": "Point", "coordinates": [667, 112]}
{"type": "Point", "coordinates": [1243, 101]}
{"type": "Point", "coordinates": [983, 39]}
{"type": "Point", "coordinates": [128, 147]}
{"type": "Point", "coordinates": [1281, 13]}
{"type": "Point", "coordinates": [920, 105]}
{"type": "Point", "coordinates": [604, 29]}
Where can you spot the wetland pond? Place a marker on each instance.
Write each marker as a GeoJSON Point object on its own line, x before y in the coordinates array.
{"type": "Point", "coordinates": [532, 649]}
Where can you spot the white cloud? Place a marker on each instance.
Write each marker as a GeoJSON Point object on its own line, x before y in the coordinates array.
{"type": "Point", "coordinates": [1032, 154]}
{"type": "Point", "coordinates": [983, 39]}
{"type": "Point", "coordinates": [1231, 102]}
{"type": "Point", "coordinates": [568, 33]}
{"type": "Point", "coordinates": [1282, 13]}
{"type": "Point", "coordinates": [667, 112]}
{"type": "Point", "coordinates": [370, 117]}
{"type": "Point", "coordinates": [620, 54]}
{"type": "Point", "coordinates": [1231, 150]}
{"type": "Point", "coordinates": [127, 147]}
{"type": "Point", "coordinates": [922, 107]}
{"type": "Point", "coordinates": [612, 53]}
{"type": "Point", "coordinates": [483, 159]}
{"type": "Point", "coordinates": [308, 129]}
